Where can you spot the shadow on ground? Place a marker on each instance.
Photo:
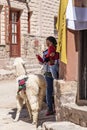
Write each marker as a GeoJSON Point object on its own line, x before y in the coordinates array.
{"type": "Point", "coordinates": [24, 116]}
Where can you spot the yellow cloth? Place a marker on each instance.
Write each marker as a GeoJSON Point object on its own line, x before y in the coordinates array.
{"type": "Point", "coordinates": [61, 26]}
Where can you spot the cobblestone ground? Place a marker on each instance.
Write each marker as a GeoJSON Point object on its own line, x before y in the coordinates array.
{"type": "Point", "coordinates": [8, 110]}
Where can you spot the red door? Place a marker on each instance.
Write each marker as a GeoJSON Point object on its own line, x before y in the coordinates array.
{"type": "Point", "coordinates": [14, 34]}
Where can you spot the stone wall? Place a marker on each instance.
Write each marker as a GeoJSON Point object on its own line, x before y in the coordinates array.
{"type": "Point", "coordinates": [65, 103]}
{"type": "Point", "coordinates": [42, 19]}
{"type": "Point", "coordinates": [33, 45]}
{"type": "Point", "coordinates": [14, 4]}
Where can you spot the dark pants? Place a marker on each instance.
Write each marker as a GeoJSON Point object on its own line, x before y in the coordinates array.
{"type": "Point", "coordinates": [49, 92]}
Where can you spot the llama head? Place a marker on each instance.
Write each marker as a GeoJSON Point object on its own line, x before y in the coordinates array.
{"type": "Point", "coordinates": [19, 66]}
{"type": "Point", "coordinates": [18, 60]}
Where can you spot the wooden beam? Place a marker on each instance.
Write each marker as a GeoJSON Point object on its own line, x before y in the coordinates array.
{"type": "Point", "coordinates": [80, 3]}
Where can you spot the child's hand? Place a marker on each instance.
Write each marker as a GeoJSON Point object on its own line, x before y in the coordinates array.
{"type": "Point", "coordinates": [52, 54]}
{"type": "Point", "coordinates": [37, 55]}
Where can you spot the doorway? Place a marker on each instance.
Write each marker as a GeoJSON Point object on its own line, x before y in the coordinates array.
{"type": "Point", "coordinates": [83, 66]}
{"type": "Point", "coordinates": [14, 33]}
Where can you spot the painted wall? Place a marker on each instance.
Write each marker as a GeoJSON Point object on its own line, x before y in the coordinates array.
{"type": "Point", "coordinates": [72, 57]}
{"type": "Point", "coordinates": [70, 70]}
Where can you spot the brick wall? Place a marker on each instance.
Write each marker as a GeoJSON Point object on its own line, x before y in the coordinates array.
{"type": "Point", "coordinates": [65, 103]}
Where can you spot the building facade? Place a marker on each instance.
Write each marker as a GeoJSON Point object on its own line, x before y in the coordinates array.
{"type": "Point", "coordinates": [24, 24]}
{"type": "Point", "coordinates": [76, 67]}
{"type": "Point", "coordinates": [72, 91]}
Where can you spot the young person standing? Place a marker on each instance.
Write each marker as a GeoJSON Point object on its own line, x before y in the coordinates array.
{"type": "Point", "coordinates": [49, 62]}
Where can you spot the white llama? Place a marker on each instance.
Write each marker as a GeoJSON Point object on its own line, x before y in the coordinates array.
{"type": "Point", "coordinates": [32, 93]}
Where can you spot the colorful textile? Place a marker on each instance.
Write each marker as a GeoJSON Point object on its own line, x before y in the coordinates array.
{"type": "Point", "coordinates": [22, 84]}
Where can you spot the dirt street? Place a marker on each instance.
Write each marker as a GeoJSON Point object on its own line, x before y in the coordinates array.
{"type": "Point", "coordinates": [8, 109]}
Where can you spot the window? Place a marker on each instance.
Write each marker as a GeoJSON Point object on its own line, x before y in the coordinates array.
{"type": "Point", "coordinates": [14, 27]}
{"type": "Point", "coordinates": [14, 36]}
{"type": "Point", "coordinates": [28, 22]}
{"type": "Point", "coordinates": [55, 30]}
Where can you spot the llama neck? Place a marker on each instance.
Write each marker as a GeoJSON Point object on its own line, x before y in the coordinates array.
{"type": "Point", "coordinates": [20, 70]}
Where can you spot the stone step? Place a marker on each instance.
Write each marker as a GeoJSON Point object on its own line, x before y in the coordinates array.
{"type": "Point", "coordinates": [7, 70]}
{"type": "Point", "coordinates": [8, 63]}
{"type": "Point", "coordinates": [32, 66]}
{"type": "Point", "coordinates": [65, 102]}
{"type": "Point", "coordinates": [27, 66]}
{"type": "Point", "coordinates": [64, 125]}
{"type": "Point", "coordinates": [31, 60]}
{"type": "Point", "coordinates": [74, 113]}
{"type": "Point", "coordinates": [6, 74]}
{"type": "Point", "coordinates": [34, 70]}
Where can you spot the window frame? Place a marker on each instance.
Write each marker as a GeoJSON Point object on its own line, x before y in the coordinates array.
{"type": "Point", "coordinates": [29, 17]}
{"type": "Point", "coordinates": [55, 29]}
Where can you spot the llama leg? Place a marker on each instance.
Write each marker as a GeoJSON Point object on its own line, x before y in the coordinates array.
{"type": "Point", "coordinates": [41, 97]}
{"type": "Point", "coordinates": [19, 107]}
{"type": "Point", "coordinates": [35, 109]}
{"type": "Point", "coordinates": [35, 117]}
{"type": "Point", "coordinates": [28, 107]}
{"type": "Point", "coordinates": [32, 94]}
